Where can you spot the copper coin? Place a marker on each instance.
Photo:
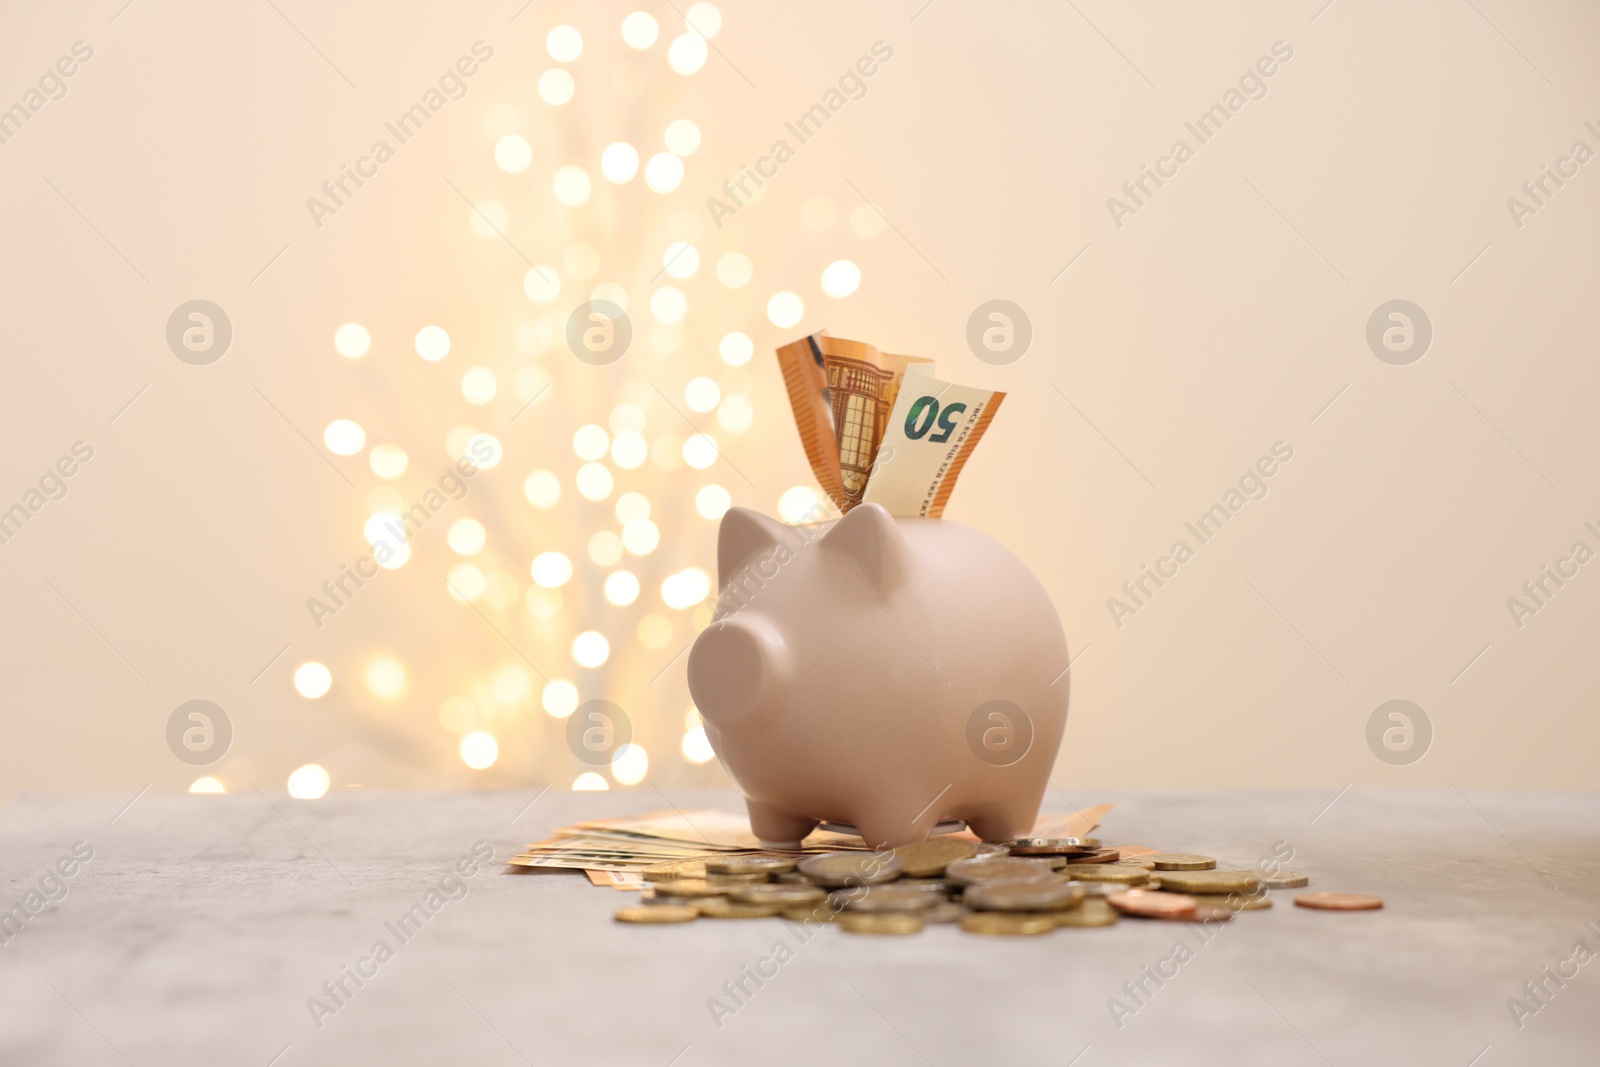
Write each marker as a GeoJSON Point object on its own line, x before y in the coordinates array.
{"type": "Point", "coordinates": [1338, 901]}
{"type": "Point", "coordinates": [1151, 904]}
{"type": "Point", "coordinates": [1203, 913]}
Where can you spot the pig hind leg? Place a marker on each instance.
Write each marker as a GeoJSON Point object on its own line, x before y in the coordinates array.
{"type": "Point", "coordinates": [777, 828]}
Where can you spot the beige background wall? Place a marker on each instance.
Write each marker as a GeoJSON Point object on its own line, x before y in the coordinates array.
{"type": "Point", "coordinates": [1228, 313]}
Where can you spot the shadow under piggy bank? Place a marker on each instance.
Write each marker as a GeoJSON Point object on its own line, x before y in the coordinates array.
{"type": "Point", "coordinates": [887, 673]}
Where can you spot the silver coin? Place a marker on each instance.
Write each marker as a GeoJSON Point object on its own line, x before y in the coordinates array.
{"type": "Point", "coordinates": [851, 868]}
{"type": "Point", "coordinates": [946, 911]}
{"type": "Point", "coordinates": [1284, 880]}
{"type": "Point", "coordinates": [773, 893]}
{"type": "Point", "coordinates": [886, 898]}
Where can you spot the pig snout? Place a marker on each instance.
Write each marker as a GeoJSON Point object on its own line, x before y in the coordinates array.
{"type": "Point", "coordinates": [736, 664]}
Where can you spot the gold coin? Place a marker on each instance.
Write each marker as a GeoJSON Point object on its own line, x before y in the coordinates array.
{"type": "Point", "coordinates": [819, 913]}
{"type": "Point", "coordinates": [673, 870]}
{"type": "Point", "coordinates": [924, 858]}
{"type": "Point", "coordinates": [723, 908]}
{"type": "Point", "coordinates": [758, 863]}
{"type": "Point", "coordinates": [946, 911]}
{"type": "Point", "coordinates": [1234, 901]}
{"type": "Point", "coordinates": [693, 887]}
{"type": "Point", "coordinates": [1007, 869]}
{"type": "Point", "coordinates": [790, 896]}
{"type": "Point", "coordinates": [1022, 896]}
{"type": "Point", "coordinates": [1183, 881]}
{"type": "Point", "coordinates": [886, 898]}
{"type": "Point", "coordinates": [657, 913]}
{"type": "Point", "coordinates": [1105, 872]}
{"type": "Point", "coordinates": [851, 868]}
{"type": "Point", "coordinates": [1000, 923]}
{"type": "Point", "coordinates": [1338, 901]}
{"type": "Point", "coordinates": [1183, 861]}
{"type": "Point", "coordinates": [1094, 911]}
{"type": "Point", "coordinates": [880, 923]}
{"type": "Point", "coordinates": [1136, 861]}
{"type": "Point", "coordinates": [1285, 880]}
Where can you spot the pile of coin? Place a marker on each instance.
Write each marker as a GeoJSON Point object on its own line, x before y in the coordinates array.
{"type": "Point", "coordinates": [1029, 886]}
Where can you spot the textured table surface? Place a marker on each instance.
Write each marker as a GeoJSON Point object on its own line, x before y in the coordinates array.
{"type": "Point", "coordinates": [201, 927]}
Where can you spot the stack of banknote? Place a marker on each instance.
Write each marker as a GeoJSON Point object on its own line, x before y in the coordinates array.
{"type": "Point", "coordinates": [615, 852]}
{"type": "Point", "coordinates": [880, 428]}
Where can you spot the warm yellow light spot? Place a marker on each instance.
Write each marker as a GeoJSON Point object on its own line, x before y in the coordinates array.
{"type": "Point", "coordinates": [655, 631]}
{"type": "Point", "coordinates": [513, 153]}
{"type": "Point", "coordinates": [590, 442]}
{"type": "Point", "coordinates": [663, 173]}
{"type": "Point", "coordinates": [632, 506]}
{"type": "Point", "coordinates": [619, 162]}
{"type": "Point", "coordinates": [488, 218]}
{"type": "Point", "coordinates": [630, 764]}
{"type": "Point", "coordinates": [388, 461]}
{"type": "Point", "coordinates": [543, 603]}
{"type": "Point", "coordinates": [841, 278]}
{"type": "Point", "coordinates": [352, 342]}
{"type": "Point", "coordinates": [467, 537]}
{"type": "Point", "coordinates": [465, 583]}
{"type": "Point", "coordinates": [556, 86]}
{"type": "Point", "coordinates": [551, 570]}
{"type": "Point", "coordinates": [736, 349]}
{"type": "Point", "coordinates": [639, 30]}
{"type": "Point", "coordinates": [572, 185]}
{"type": "Point", "coordinates": [432, 343]}
{"type": "Point", "coordinates": [734, 270]}
{"type": "Point", "coordinates": [312, 679]}
{"type": "Point", "coordinates": [207, 784]}
{"type": "Point", "coordinates": [687, 53]}
{"type": "Point", "coordinates": [483, 449]}
{"type": "Point", "coordinates": [681, 259]}
{"type": "Point", "coordinates": [866, 221]}
{"type": "Point", "coordinates": [344, 438]}
{"type": "Point", "coordinates": [457, 714]}
{"type": "Point", "coordinates": [605, 548]}
{"type": "Point", "coordinates": [541, 283]}
{"type": "Point", "coordinates": [668, 304]}
{"type": "Point", "coordinates": [542, 488]}
{"type": "Point", "coordinates": [799, 504]}
{"type": "Point", "coordinates": [736, 413]}
{"type": "Point", "coordinates": [594, 481]}
{"type": "Point", "coordinates": [686, 588]}
{"type": "Point", "coordinates": [590, 782]}
{"type": "Point", "coordinates": [641, 536]}
{"type": "Point", "coordinates": [590, 649]}
{"type": "Point", "coordinates": [560, 698]}
{"type": "Point", "coordinates": [386, 677]}
{"type": "Point", "coordinates": [702, 394]}
{"type": "Point", "coordinates": [697, 746]}
{"type": "Point", "coordinates": [700, 451]}
{"type": "Point", "coordinates": [478, 385]}
{"type": "Point", "coordinates": [785, 309]}
{"type": "Point", "coordinates": [479, 750]}
{"type": "Point", "coordinates": [622, 588]}
{"type": "Point", "coordinates": [682, 137]}
{"type": "Point", "coordinates": [712, 502]}
{"type": "Point", "coordinates": [704, 19]}
{"type": "Point", "coordinates": [564, 43]}
{"type": "Point", "coordinates": [630, 450]}
{"type": "Point", "coordinates": [309, 782]}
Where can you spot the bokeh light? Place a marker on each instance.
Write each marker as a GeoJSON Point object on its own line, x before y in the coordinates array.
{"type": "Point", "coordinates": [479, 750]}
{"type": "Point", "coordinates": [712, 501]}
{"type": "Point", "coordinates": [663, 173]}
{"type": "Point", "coordinates": [312, 679]}
{"type": "Point", "coordinates": [388, 461]}
{"type": "Point", "coordinates": [556, 86]}
{"type": "Point", "coordinates": [734, 270]}
{"type": "Point", "coordinates": [564, 43]}
{"type": "Point", "coordinates": [513, 153]}
{"type": "Point", "coordinates": [841, 278]}
{"type": "Point", "coordinates": [543, 489]}
{"type": "Point", "coordinates": [560, 698]}
{"type": "Point", "coordinates": [386, 677]}
{"type": "Point", "coordinates": [619, 162]}
{"type": "Point", "coordinates": [432, 343]}
{"type": "Point", "coordinates": [590, 649]}
{"type": "Point", "coordinates": [467, 537]}
{"type": "Point", "coordinates": [309, 782]}
{"type": "Point", "coordinates": [630, 764]}
{"type": "Point", "coordinates": [736, 349]}
{"type": "Point", "coordinates": [207, 784]}
{"type": "Point", "coordinates": [478, 385]}
{"type": "Point", "coordinates": [590, 782]}
{"type": "Point", "coordinates": [622, 588]}
{"type": "Point", "coordinates": [344, 438]}
{"type": "Point", "coordinates": [687, 53]}
{"type": "Point", "coordinates": [700, 451]}
{"type": "Point", "coordinates": [352, 340]}
{"type": "Point", "coordinates": [682, 137]}
{"type": "Point", "coordinates": [639, 30]}
{"type": "Point", "coordinates": [681, 259]}
{"type": "Point", "coordinates": [697, 746]}
{"type": "Point", "coordinates": [572, 185]}
{"type": "Point", "coordinates": [551, 570]}
{"type": "Point", "coordinates": [798, 504]}
{"type": "Point", "coordinates": [686, 588]}
{"type": "Point", "coordinates": [594, 481]}
{"type": "Point", "coordinates": [785, 310]}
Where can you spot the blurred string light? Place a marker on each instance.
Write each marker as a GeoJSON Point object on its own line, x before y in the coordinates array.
{"type": "Point", "coordinates": [599, 592]}
{"type": "Point", "coordinates": [207, 784]}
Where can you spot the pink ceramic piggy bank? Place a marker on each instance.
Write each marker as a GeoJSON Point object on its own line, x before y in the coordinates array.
{"type": "Point", "coordinates": [889, 673]}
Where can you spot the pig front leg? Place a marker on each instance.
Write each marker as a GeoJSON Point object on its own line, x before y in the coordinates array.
{"type": "Point", "coordinates": [777, 828]}
{"type": "Point", "coordinates": [1004, 822]}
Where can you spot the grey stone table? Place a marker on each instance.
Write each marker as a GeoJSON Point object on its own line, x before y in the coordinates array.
{"type": "Point", "coordinates": [200, 929]}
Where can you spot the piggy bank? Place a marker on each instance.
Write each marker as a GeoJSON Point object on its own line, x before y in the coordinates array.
{"type": "Point", "coordinates": [891, 673]}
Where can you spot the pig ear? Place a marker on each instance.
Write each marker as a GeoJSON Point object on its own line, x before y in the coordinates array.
{"type": "Point", "coordinates": [743, 536]}
{"type": "Point", "coordinates": [869, 537]}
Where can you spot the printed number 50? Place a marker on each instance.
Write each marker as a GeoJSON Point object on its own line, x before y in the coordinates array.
{"type": "Point", "coordinates": [925, 412]}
